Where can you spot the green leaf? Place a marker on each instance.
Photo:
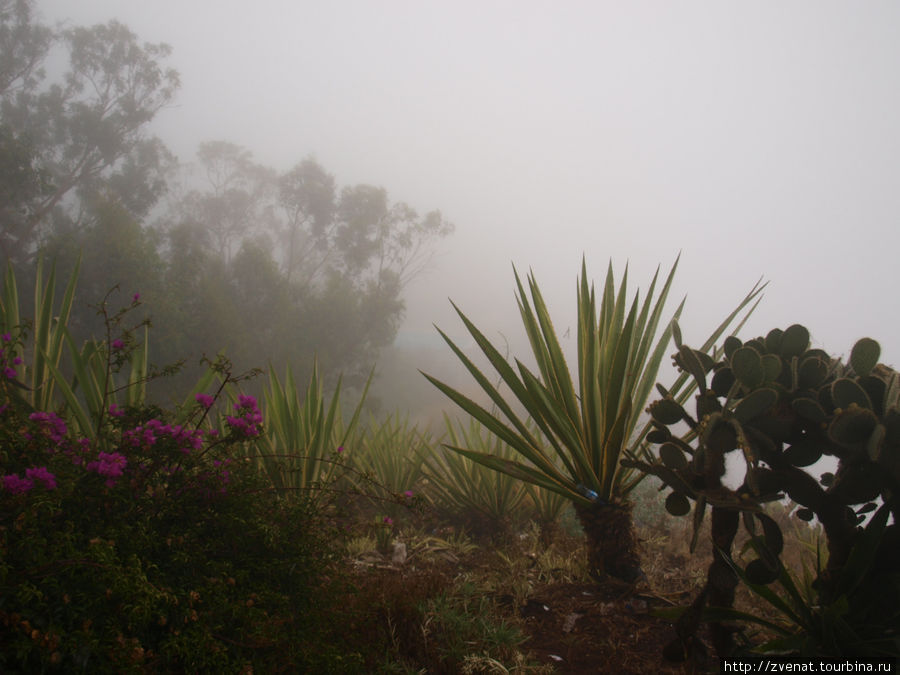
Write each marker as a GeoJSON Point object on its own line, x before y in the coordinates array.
{"type": "Point", "coordinates": [692, 362]}
{"type": "Point", "coordinates": [672, 456]}
{"type": "Point", "coordinates": [755, 403]}
{"type": "Point", "coordinates": [677, 504]}
{"type": "Point", "coordinates": [667, 411]}
{"type": "Point", "coordinates": [731, 345]}
{"type": "Point", "coordinates": [772, 367]}
{"type": "Point", "coordinates": [809, 409]}
{"type": "Point", "coordinates": [812, 372]}
{"type": "Point", "coordinates": [746, 364]}
{"type": "Point", "coordinates": [864, 356]}
{"type": "Point", "coordinates": [794, 341]}
{"type": "Point", "coordinates": [853, 427]}
{"type": "Point", "coordinates": [567, 432]}
{"type": "Point", "coordinates": [845, 392]}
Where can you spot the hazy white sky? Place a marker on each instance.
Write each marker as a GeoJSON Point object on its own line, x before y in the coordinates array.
{"type": "Point", "coordinates": [758, 138]}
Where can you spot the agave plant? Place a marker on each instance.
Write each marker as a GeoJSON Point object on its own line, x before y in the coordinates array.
{"type": "Point", "coordinates": [35, 384]}
{"type": "Point", "coordinates": [304, 436]}
{"type": "Point", "coordinates": [583, 427]}
{"type": "Point", "coordinates": [387, 457]}
{"type": "Point", "coordinates": [460, 487]}
{"type": "Point", "coordinates": [96, 375]}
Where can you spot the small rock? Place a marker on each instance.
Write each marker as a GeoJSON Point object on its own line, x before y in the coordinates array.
{"type": "Point", "coordinates": [399, 555]}
{"type": "Point", "coordinates": [570, 620]}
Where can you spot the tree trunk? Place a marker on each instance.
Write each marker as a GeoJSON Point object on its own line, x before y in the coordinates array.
{"type": "Point", "coordinates": [611, 541]}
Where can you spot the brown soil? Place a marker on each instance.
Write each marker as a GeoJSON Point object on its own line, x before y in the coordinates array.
{"type": "Point", "coordinates": [571, 624]}
{"type": "Point", "coordinates": [591, 628]}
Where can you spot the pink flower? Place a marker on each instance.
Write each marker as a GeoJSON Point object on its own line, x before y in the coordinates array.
{"type": "Point", "coordinates": [135, 297]}
{"type": "Point", "coordinates": [109, 464]}
{"type": "Point", "coordinates": [16, 484]}
{"type": "Point", "coordinates": [117, 345]}
{"type": "Point", "coordinates": [408, 494]}
{"type": "Point", "coordinates": [249, 422]}
{"type": "Point", "coordinates": [245, 401]}
{"type": "Point", "coordinates": [204, 399]}
{"type": "Point", "coordinates": [388, 520]}
{"type": "Point", "coordinates": [51, 424]}
{"type": "Point", "coordinates": [40, 473]}
{"type": "Point", "coordinates": [115, 411]}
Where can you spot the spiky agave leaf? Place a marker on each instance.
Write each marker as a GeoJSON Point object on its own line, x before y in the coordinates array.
{"type": "Point", "coordinates": [581, 428]}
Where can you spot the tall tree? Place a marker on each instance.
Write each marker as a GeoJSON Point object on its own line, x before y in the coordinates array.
{"type": "Point", "coordinates": [306, 197]}
{"type": "Point", "coordinates": [237, 202]}
{"type": "Point", "coordinates": [24, 44]}
{"type": "Point", "coordinates": [331, 288]}
{"type": "Point", "coordinates": [87, 134]}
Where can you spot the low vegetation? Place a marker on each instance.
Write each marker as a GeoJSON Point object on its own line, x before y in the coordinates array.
{"type": "Point", "coordinates": [229, 535]}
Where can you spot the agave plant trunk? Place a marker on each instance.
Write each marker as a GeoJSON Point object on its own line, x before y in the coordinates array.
{"type": "Point", "coordinates": [612, 545]}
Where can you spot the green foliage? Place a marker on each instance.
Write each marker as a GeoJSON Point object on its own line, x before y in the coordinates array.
{"type": "Point", "coordinates": [618, 358]}
{"type": "Point", "coordinates": [305, 437]}
{"type": "Point", "coordinates": [308, 271]}
{"type": "Point", "coordinates": [93, 379]}
{"type": "Point", "coordinates": [465, 619]}
{"type": "Point", "coordinates": [271, 267]}
{"type": "Point", "coordinates": [387, 458]}
{"type": "Point", "coordinates": [153, 546]}
{"type": "Point", "coordinates": [580, 437]}
{"type": "Point", "coordinates": [423, 623]}
{"type": "Point", "coordinates": [86, 133]}
{"type": "Point", "coordinates": [783, 406]}
{"type": "Point", "coordinates": [35, 385]}
{"type": "Point", "coordinates": [467, 492]}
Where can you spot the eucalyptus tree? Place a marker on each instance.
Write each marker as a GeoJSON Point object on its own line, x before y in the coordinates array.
{"type": "Point", "coordinates": [83, 137]}
{"type": "Point", "coordinates": [336, 258]}
{"type": "Point", "coordinates": [235, 201]}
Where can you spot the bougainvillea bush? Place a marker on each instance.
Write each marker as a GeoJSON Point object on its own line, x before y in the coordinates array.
{"type": "Point", "coordinates": [154, 547]}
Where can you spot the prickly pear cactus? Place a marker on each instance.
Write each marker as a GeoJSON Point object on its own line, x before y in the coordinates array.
{"type": "Point", "coordinates": [782, 406]}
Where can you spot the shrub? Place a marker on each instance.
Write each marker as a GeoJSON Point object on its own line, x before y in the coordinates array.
{"type": "Point", "coordinates": [137, 539]}
{"type": "Point", "coordinates": [167, 554]}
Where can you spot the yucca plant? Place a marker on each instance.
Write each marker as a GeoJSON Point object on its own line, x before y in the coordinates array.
{"type": "Point", "coordinates": [583, 426]}
{"type": "Point", "coordinates": [47, 330]}
{"type": "Point", "coordinates": [100, 373]}
{"type": "Point", "coordinates": [547, 509]}
{"type": "Point", "coordinates": [387, 458]}
{"type": "Point", "coordinates": [301, 445]}
{"type": "Point", "coordinates": [460, 487]}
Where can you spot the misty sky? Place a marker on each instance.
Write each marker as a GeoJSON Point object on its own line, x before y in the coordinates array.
{"type": "Point", "coordinates": [758, 138]}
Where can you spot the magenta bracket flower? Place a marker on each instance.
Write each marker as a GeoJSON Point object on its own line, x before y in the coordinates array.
{"type": "Point", "coordinates": [248, 421]}
{"type": "Point", "coordinates": [205, 400]}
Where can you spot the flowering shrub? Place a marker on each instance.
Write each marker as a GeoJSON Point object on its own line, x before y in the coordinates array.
{"type": "Point", "coordinates": [135, 539]}
{"type": "Point", "coordinates": [162, 552]}
{"type": "Point", "coordinates": [248, 422]}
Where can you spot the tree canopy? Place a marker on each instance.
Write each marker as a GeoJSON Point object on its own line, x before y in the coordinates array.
{"type": "Point", "coordinates": [271, 266]}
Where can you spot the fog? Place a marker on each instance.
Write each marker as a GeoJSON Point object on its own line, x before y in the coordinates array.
{"type": "Point", "coordinates": [756, 139]}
